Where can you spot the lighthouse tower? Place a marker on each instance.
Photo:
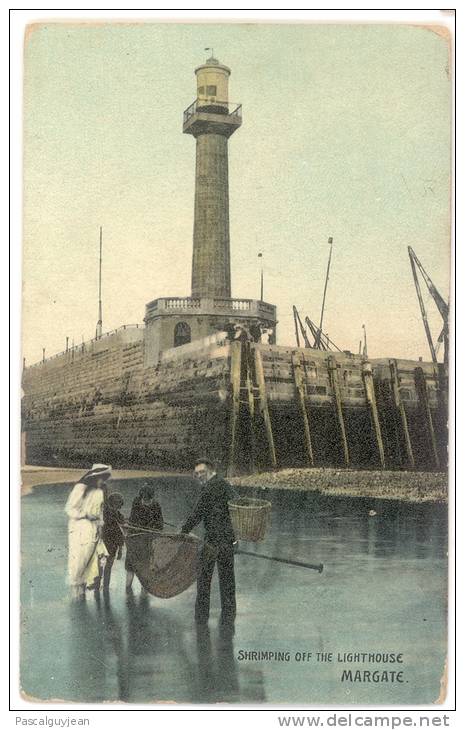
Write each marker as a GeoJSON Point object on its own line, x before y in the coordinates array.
{"type": "Point", "coordinates": [173, 321]}
{"type": "Point", "coordinates": [211, 121]}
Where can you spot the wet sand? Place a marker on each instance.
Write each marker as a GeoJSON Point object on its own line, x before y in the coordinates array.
{"type": "Point", "coordinates": [397, 485]}
{"type": "Point", "coordinates": [34, 476]}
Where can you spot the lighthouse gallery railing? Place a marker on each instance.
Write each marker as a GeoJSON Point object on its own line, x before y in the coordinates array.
{"type": "Point", "coordinates": [202, 105]}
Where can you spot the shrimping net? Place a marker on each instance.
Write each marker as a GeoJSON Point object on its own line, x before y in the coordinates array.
{"type": "Point", "coordinates": [166, 564]}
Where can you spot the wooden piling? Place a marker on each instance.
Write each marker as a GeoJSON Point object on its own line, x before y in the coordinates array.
{"type": "Point", "coordinates": [264, 405]}
{"type": "Point", "coordinates": [334, 380]}
{"type": "Point", "coordinates": [422, 393]}
{"type": "Point", "coordinates": [367, 375]}
{"type": "Point", "coordinates": [301, 398]}
{"type": "Point", "coordinates": [400, 407]}
{"type": "Point", "coordinates": [235, 401]}
{"type": "Point", "coordinates": [249, 379]}
{"type": "Point", "coordinates": [442, 380]}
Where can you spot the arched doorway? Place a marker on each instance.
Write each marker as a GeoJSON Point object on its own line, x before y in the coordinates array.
{"type": "Point", "coordinates": [182, 334]}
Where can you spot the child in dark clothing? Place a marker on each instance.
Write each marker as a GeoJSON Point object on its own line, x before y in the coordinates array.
{"type": "Point", "coordinates": [111, 533]}
{"type": "Point", "coordinates": [146, 513]}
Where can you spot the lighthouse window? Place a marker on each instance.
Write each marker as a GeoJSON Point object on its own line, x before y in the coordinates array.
{"type": "Point", "coordinates": [202, 90]}
{"type": "Point", "coordinates": [182, 334]}
{"type": "Point", "coordinates": [211, 90]}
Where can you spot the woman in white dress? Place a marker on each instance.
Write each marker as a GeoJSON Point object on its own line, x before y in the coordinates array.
{"type": "Point", "coordinates": [86, 548]}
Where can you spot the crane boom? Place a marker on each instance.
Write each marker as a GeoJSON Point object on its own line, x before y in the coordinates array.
{"type": "Point", "coordinates": [317, 341]}
{"type": "Point", "coordinates": [323, 345]}
{"type": "Point", "coordinates": [442, 306]}
{"type": "Point", "coordinates": [424, 316]}
{"type": "Point", "coordinates": [298, 324]}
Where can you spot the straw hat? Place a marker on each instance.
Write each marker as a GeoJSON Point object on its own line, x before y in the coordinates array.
{"type": "Point", "coordinates": [98, 470]}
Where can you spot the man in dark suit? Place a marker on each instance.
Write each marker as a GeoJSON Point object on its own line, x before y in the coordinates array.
{"type": "Point", "coordinates": [218, 549]}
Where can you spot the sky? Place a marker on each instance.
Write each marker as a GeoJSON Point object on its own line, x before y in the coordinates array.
{"type": "Point", "coordinates": [346, 133]}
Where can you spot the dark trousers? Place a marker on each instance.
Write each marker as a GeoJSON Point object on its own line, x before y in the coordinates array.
{"type": "Point", "coordinates": [113, 550]}
{"type": "Point", "coordinates": [107, 569]}
{"type": "Point", "coordinates": [223, 557]}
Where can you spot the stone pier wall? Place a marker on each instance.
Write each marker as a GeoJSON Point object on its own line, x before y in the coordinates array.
{"type": "Point", "coordinates": [248, 406]}
{"type": "Point", "coordinates": [108, 407]}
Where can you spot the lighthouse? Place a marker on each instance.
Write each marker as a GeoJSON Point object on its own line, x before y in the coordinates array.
{"type": "Point", "coordinates": [211, 120]}
{"type": "Point", "coordinates": [175, 321]}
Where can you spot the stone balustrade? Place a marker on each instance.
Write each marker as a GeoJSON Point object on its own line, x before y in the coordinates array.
{"type": "Point", "coordinates": [221, 305]}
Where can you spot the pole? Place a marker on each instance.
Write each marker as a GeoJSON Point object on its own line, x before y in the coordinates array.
{"type": "Point", "coordinates": [365, 348]}
{"type": "Point", "coordinates": [98, 332]}
{"type": "Point", "coordinates": [298, 563]}
{"type": "Point", "coordinates": [260, 256]}
{"type": "Point", "coordinates": [330, 241]}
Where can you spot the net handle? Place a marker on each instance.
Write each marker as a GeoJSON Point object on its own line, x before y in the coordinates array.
{"type": "Point", "coordinates": [141, 530]}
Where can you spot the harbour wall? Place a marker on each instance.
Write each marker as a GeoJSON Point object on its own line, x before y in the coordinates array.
{"type": "Point", "coordinates": [248, 406]}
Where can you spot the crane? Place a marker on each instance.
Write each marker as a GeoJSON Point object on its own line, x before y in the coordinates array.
{"type": "Point", "coordinates": [299, 326]}
{"type": "Point", "coordinates": [321, 341]}
{"type": "Point", "coordinates": [441, 304]}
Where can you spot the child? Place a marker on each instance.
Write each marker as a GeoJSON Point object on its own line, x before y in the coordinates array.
{"type": "Point", "coordinates": [111, 533]}
{"type": "Point", "coordinates": [145, 512]}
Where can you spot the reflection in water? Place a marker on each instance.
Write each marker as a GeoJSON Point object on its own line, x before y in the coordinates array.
{"type": "Point", "coordinates": [217, 673]}
{"type": "Point", "coordinates": [228, 684]}
{"type": "Point", "coordinates": [143, 644]}
{"type": "Point", "coordinates": [86, 654]}
{"type": "Point", "coordinates": [157, 664]}
{"type": "Point", "coordinates": [205, 674]}
{"type": "Point", "coordinates": [114, 644]}
{"type": "Point", "coordinates": [142, 656]}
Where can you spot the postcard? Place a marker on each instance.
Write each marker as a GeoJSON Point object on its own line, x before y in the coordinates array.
{"type": "Point", "coordinates": [235, 363]}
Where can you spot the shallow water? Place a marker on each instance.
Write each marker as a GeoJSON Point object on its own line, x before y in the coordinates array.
{"type": "Point", "coordinates": [383, 589]}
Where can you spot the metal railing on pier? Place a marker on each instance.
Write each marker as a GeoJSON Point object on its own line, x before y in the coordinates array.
{"type": "Point", "coordinates": [84, 346]}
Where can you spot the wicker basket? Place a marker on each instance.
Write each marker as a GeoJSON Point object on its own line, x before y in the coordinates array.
{"type": "Point", "coordinates": [250, 518]}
